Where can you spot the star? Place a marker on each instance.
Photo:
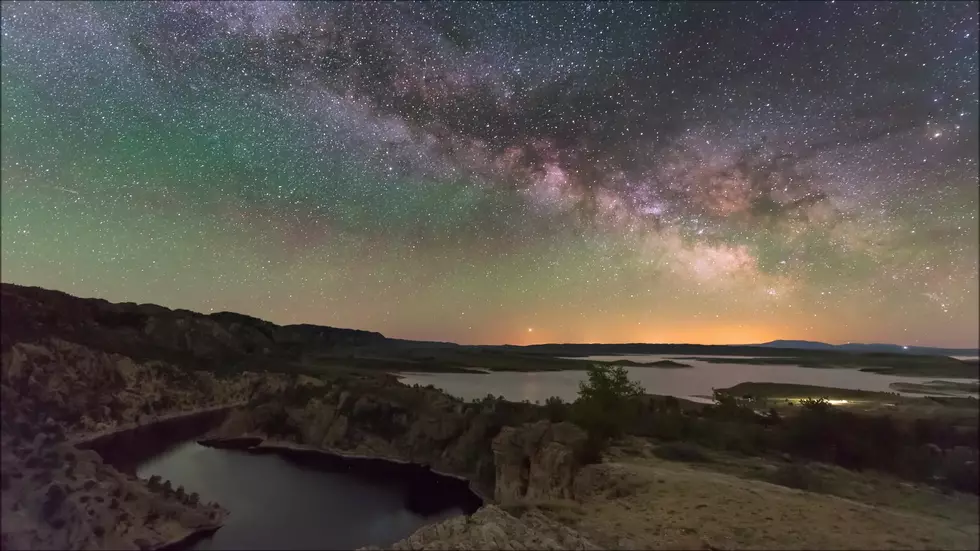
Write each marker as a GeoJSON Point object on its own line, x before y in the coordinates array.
{"type": "Point", "coordinates": [612, 171]}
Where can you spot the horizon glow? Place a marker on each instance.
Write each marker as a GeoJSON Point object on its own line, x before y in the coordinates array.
{"type": "Point", "coordinates": [487, 173]}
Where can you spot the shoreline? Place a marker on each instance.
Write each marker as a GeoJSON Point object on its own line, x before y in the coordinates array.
{"type": "Point", "coordinates": [180, 544]}
{"type": "Point", "coordinates": [276, 446]}
{"type": "Point", "coordinates": [88, 438]}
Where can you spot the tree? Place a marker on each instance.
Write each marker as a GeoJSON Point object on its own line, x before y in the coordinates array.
{"type": "Point", "coordinates": [608, 402]}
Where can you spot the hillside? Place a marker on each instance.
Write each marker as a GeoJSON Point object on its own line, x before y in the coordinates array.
{"type": "Point", "coordinates": [80, 375]}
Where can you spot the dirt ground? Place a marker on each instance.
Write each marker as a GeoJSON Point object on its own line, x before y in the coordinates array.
{"type": "Point", "coordinates": [650, 503]}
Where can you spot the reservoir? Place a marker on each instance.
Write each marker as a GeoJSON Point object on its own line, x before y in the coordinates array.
{"type": "Point", "coordinates": [280, 502]}
{"type": "Point", "coordinates": [693, 383]}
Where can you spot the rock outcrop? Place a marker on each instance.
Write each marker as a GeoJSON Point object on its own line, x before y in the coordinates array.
{"type": "Point", "coordinates": [59, 383]}
{"type": "Point", "coordinates": [500, 447]}
{"type": "Point", "coordinates": [537, 461]}
{"type": "Point", "coordinates": [493, 528]}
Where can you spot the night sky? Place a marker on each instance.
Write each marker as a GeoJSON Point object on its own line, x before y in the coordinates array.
{"type": "Point", "coordinates": [504, 172]}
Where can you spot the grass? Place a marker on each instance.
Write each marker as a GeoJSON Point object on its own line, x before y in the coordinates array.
{"type": "Point", "coordinates": [682, 451]}
{"type": "Point", "coordinates": [741, 502]}
{"type": "Point", "coordinates": [869, 487]}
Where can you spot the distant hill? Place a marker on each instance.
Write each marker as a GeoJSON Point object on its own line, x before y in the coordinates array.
{"type": "Point", "coordinates": [872, 347]}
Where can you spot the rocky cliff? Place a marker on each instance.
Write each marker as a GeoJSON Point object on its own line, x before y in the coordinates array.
{"type": "Point", "coordinates": [81, 390]}
{"type": "Point", "coordinates": [57, 393]}
{"type": "Point", "coordinates": [501, 447]}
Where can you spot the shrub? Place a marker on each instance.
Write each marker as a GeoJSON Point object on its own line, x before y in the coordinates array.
{"type": "Point", "coordinates": [53, 499]}
{"type": "Point", "coordinates": [591, 451]}
{"type": "Point", "coordinates": [796, 475]}
{"type": "Point", "coordinates": [556, 409]}
{"type": "Point", "coordinates": [682, 451]}
{"type": "Point", "coordinates": [154, 482]}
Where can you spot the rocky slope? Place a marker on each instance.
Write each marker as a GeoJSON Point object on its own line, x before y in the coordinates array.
{"type": "Point", "coordinates": [73, 369]}
{"type": "Point", "coordinates": [81, 390]}
{"type": "Point", "coordinates": [501, 447]}
{"type": "Point", "coordinates": [56, 496]}
{"type": "Point", "coordinates": [57, 393]}
{"type": "Point", "coordinates": [151, 332]}
{"type": "Point", "coordinates": [494, 528]}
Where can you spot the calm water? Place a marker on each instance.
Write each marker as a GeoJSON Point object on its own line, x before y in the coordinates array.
{"type": "Point", "coordinates": [695, 382]}
{"type": "Point", "coordinates": [278, 504]}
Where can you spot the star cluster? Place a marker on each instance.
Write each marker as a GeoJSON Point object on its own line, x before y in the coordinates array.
{"type": "Point", "coordinates": [618, 172]}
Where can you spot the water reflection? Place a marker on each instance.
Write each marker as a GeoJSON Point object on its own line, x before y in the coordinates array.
{"type": "Point", "coordinates": [694, 383]}
{"type": "Point", "coordinates": [277, 504]}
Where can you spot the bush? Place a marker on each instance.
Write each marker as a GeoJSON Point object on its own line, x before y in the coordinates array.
{"type": "Point", "coordinates": [53, 499]}
{"type": "Point", "coordinates": [556, 409]}
{"type": "Point", "coordinates": [682, 451]}
{"type": "Point", "coordinates": [795, 475]}
{"type": "Point", "coordinates": [591, 451]}
{"type": "Point", "coordinates": [668, 425]}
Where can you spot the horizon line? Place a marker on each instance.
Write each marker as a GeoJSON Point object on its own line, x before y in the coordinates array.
{"type": "Point", "coordinates": [975, 347]}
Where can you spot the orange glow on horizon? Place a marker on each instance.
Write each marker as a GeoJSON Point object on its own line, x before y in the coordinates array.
{"type": "Point", "coordinates": [722, 333]}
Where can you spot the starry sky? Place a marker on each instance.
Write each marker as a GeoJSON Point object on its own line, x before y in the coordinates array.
{"type": "Point", "coordinates": [504, 172]}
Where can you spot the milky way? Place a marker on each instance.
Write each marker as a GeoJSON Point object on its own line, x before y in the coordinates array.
{"type": "Point", "coordinates": [504, 172]}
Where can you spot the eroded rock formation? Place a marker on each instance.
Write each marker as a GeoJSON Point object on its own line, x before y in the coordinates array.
{"type": "Point", "coordinates": [493, 528]}
{"type": "Point", "coordinates": [505, 457]}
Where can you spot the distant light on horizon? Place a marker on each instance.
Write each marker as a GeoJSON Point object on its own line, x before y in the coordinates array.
{"type": "Point", "coordinates": [601, 170]}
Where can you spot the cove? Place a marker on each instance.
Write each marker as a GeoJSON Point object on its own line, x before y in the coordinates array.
{"type": "Point", "coordinates": [282, 498]}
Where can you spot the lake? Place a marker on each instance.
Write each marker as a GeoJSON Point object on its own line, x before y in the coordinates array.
{"type": "Point", "coordinates": [280, 503]}
{"type": "Point", "coordinates": [693, 383]}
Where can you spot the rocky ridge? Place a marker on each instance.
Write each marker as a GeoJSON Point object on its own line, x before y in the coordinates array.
{"type": "Point", "coordinates": [500, 447]}
{"type": "Point", "coordinates": [151, 332]}
{"type": "Point", "coordinates": [74, 369]}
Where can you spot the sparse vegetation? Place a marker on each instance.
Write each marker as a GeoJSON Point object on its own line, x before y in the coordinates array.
{"type": "Point", "coordinates": [607, 406]}
{"type": "Point", "coordinates": [796, 475]}
{"type": "Point", "coordinates": [925, 449]}
{"type": "Point", "coordinates": [682, 451]}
